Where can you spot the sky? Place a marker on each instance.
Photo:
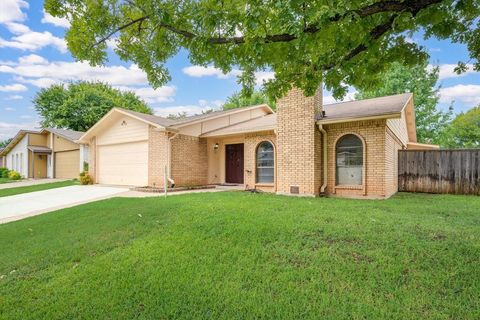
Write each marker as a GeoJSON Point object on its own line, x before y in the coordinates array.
{"type": "Point", "coordinates": [34, 55]}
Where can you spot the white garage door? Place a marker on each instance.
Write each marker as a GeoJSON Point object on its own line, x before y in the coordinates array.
{"type": "Point", "coordinates": [123, 164]}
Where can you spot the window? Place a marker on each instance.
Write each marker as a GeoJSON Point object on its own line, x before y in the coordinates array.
{"type": "Point", "coordinates": [12, 165]}
{"type": "Point", "coordinates": [265, 162]}
{"type": "Point", "coordinates": [21, 163]}
{"type": "Point", "coordinates": [349, 160]}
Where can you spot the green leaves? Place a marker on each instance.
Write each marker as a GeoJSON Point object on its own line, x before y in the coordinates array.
{"type": "Point", "coordinates": [422, 82]}
{"type": "Point", "coordinates": [464, 131]}
{"type": "Point", "coordinates": [80, 105]}
{"type": "Point", "coordinates": [305, 43]}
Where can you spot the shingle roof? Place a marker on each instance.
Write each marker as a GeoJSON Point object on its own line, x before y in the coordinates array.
{"type": "Point", "coordinates": [67, 134]}
{"type": "Point", "coordinates": [164, 122]}
{"type": "Point", "coordinates": [365, 108]}
{"type": "Point", "coordinates": [39, 149]}
{"type": "Point", "coordinates": [264, 123]}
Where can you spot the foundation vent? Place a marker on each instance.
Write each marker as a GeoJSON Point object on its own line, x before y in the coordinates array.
{"type": "Point", "coordinates": [294, 189]}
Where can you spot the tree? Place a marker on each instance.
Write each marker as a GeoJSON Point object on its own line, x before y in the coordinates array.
{"type": "Point", "coordinates": [240, 100]}
{"type": "Point", "coordinates": [5, 142]}
{"type": "Point", "coordinates": [177, 116]}
{"type": "Point", "coordinates": [78, 106]}
{"type": "Point", "coordinates": [422, 82]}
{"type": "Point", "coordinates": [464, 131]}
{"type": "Point", "coordinates": [345, 42]}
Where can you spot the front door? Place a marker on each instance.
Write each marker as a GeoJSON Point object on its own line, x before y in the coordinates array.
{"type": "Point", "coordinates": [234, 163]}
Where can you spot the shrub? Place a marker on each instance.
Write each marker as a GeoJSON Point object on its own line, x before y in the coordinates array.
{"type": "Point", "coordinates": [85, 178]}
{"type": "Point", "coordinates": [4, 172]}
{"type": "Point", "coordinates": [14, 175]}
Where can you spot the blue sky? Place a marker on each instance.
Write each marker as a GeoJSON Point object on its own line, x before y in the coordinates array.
{"type": "Point", "coordinates": [33, 55]}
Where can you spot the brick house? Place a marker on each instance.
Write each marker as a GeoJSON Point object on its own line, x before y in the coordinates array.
{"type": "Point", "coordinates": [305, 148]}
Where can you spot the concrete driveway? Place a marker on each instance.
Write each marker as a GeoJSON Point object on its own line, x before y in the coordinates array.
{"type": "Point", "coordinates": [29, 204]}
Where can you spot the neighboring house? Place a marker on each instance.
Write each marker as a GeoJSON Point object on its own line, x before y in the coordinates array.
{"type": "Point", "coordinates": [344, 149]}
{"type": "Point", "coordinates": [2, 164]}
{"type": "Point", "coordinates": [47, 153]}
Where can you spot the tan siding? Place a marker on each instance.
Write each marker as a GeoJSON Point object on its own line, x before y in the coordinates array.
{"type": "Point", "coordinates": [67, 164]}
{"type": "Point", "coordinates": [215, 124]}
{"type": "Point", "coordinates": [193, 130]}
{"type": "Point", "coordinates": [399, 128]}
{"type": "Point", "coordinates": [392, 146]}
{"type": "Point", "coordinates": [37, 139]}
{"type": "Point", "coordinates": [62, 144]}
{"type": "Point", "coordinates": [131, 130]}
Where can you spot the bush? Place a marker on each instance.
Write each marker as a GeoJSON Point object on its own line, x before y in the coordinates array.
{"type": "Point", "coordinates": [4, 172]}
{"type": "Point", "coordinates": [14, 175]}
{"type": "Point", "coordinates": [85, 178]}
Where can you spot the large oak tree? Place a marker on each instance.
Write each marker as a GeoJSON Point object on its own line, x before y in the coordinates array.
{"type": "Point", "coordinates": [341, 42]}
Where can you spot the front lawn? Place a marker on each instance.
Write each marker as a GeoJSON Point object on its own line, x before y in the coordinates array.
{"type": "Point", "coordinates": [237, 255]}
{"type": "Point", "coordinates": [6, 180]}
{"type": "Point", "coordinates": [36, 187]}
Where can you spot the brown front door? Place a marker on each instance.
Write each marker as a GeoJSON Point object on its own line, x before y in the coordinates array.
{"type": "Point", "coordinates": [234, 163]}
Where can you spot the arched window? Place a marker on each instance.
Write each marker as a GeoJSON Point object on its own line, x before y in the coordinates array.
{"type": "Point", "coordinates": [349, 153]}
{"type": "Point", "coordinates": [265, 162]}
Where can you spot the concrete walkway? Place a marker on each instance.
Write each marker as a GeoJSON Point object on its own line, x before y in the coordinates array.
{"type": "Point", "coordinates": [28, 182]}
{"type": "Point", "coordinates": [34, 203]}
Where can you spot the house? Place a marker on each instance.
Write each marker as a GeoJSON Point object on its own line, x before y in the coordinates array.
{"type": "Point", "coordinates": [46, 153]}
{"type": "Point", "coordinates": [305, 148]}
{"type": "Point", "coordinates": [2, 164]}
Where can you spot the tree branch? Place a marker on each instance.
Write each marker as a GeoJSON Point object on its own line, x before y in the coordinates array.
{"type": "Point", "coordinates": [412, 6]}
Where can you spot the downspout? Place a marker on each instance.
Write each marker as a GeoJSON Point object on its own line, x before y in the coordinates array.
{"type": "Point", "coordinates": [169, 162]}
{"type": "Point", "coordinates": [325, 153]}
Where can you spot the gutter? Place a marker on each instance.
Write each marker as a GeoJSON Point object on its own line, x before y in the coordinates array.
{"type": "Point", "coordinates": [325, 153]}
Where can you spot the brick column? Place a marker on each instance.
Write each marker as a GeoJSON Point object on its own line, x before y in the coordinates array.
{"type": "Point", "coordinates": [298, 143]}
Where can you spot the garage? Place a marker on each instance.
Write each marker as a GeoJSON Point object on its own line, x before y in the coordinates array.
{"type": "Point", "coordinates": [123, 164]}
{"type": "Point", "coordinates": [67, 164]}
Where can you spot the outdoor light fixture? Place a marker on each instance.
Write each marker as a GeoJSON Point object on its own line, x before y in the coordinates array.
{"type": "Point", "coordinates": [215, 146]}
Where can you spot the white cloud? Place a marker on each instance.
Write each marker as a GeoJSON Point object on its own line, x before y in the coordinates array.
{"type": "Point", "coordinates": [150, 95]}
{"type": "Point", "coordinates": [9, 109]}
{"type": "Point", "coordinates": [11, 10]}
{"type": "Point", "coordinates": [9, 130]}
{"type": "Point", "coordinates": [26, 116]}
{"type": "Point", "coordinates": [263, 76]}
{"type": "Point", "coordinates": [17, 28]}
{"type": "Point", "coordinates": [210, 71]}
{"type": "Point", "coordinates": [199, 71]}
{"type": "Point", "coordinates": [32, 59]}
{"type": "Point", "coordinates": [41, 73]}
{"type": "Point", "coordinates": [329, 99]}
{"type": "Point", "coordinates": [468, 94]}
{"type": "Point", "coordinates": [14, 97]}
{"type": "Point", "coordinates": [59, 22]}
{"type": "Point", "coordinates": [447, 71]}
{"type": "Point", "coordinates": [33, 41]}
{"type": "Point", "coordinates": [13, 88]}
{"type": "Point", "coordinates": [40, 82]}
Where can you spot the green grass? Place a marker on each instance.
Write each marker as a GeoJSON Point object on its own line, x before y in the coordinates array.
{"type": "Point", "coordinates": [5, 180]}
{"type": "Point", "coordinates": [36, 187]}
{"type": "Point", "coordinates": [243, 256]}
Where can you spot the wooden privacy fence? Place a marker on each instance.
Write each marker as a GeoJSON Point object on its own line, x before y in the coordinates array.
{"type": "Point", "coordinates": [439, 171]}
